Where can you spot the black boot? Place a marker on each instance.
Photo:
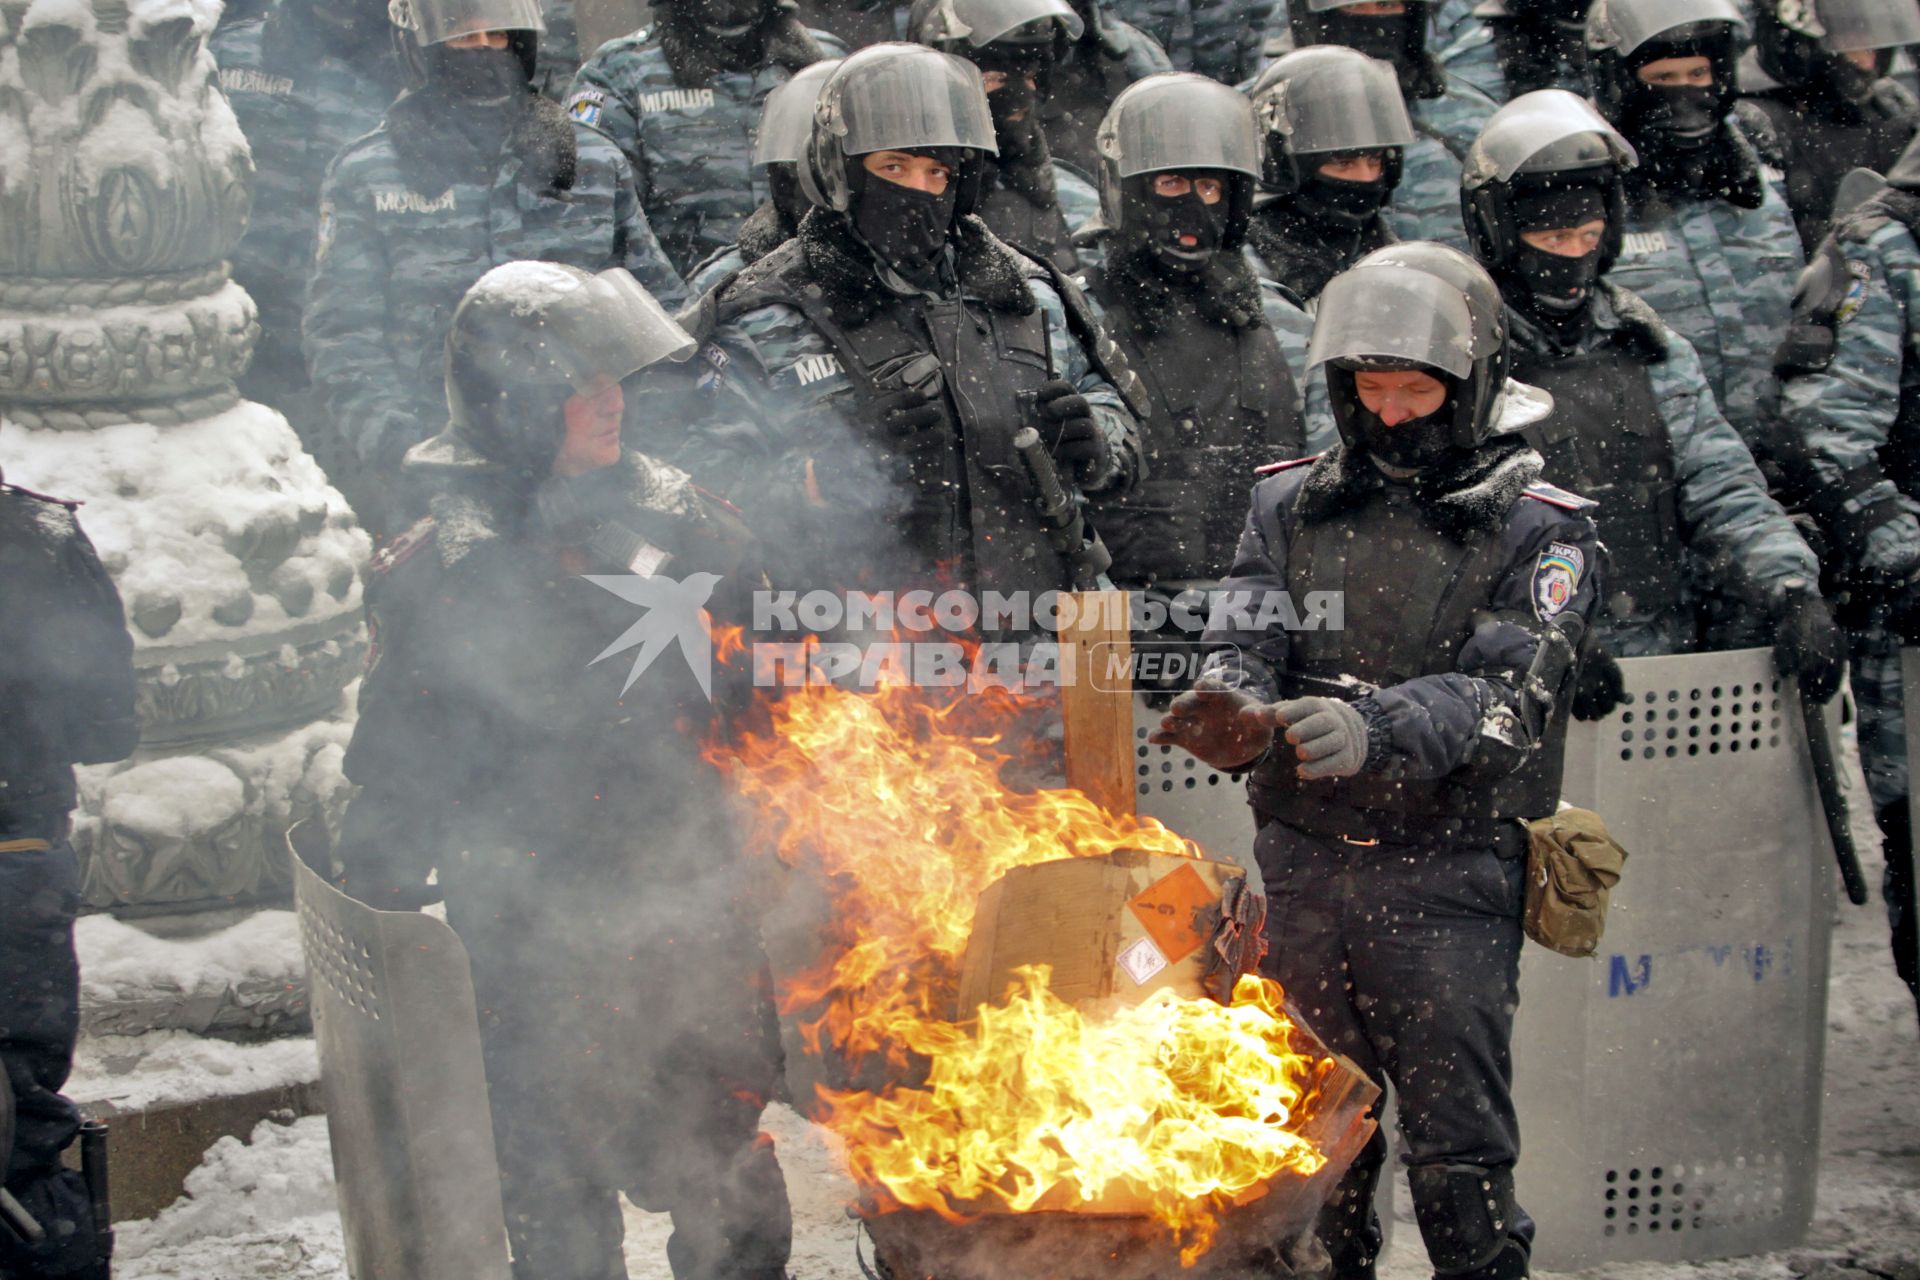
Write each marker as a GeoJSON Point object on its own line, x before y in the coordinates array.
{"type": "Point", "coordinates": [1896, 829]}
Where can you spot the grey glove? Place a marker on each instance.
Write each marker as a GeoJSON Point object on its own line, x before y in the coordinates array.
{"type": "Point", "coordinates": [1329, 736]}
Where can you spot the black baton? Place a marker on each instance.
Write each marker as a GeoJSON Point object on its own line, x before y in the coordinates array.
{"type": "Point", "coordinates": [1833, 798]}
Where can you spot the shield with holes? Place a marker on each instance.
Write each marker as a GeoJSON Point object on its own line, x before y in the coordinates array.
{"type": "Point", "coordinates": [1669, 1087]}
{"type": "Point", "coordinates": [406, 1097]}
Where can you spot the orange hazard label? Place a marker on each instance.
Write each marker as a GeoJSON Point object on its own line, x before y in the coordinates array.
{"type": "Point", "coordinates": [1171, 909]}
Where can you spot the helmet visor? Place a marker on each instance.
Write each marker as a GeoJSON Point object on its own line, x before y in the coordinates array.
{"type": "Point", "coordinates": [1546, 131]}
{"type": "Point", "coordinates": [437, 21]}
{"type": "Point", "coordinates": [1180, 121]}
{"type": "Point", "coordinates": [1336, 104]}
{"type": "Point", "coordinates": [981, 22]}
{"type": "Point", "coordinates": [1854, 25]}
{"type": "Point", "coordinates": [1395, 314]}
{"type": "Point", "coordinates": [911, 97]}
{"type": "Point", "coordinates": [1322, 6]}
{"type": "Point", "coordinates": [786, 121]}
{"type": "Point", "coordinates": [1624, 25]}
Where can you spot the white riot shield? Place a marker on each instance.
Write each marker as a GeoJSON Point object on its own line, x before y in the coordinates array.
{"type": "Point", "coordinates": [1669, 1088]}
{"type": "Point", "coordinates": [405, 1092]}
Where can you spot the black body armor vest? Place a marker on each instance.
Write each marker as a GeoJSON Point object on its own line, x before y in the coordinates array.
{"type": "Point", "coordinates": [1039, 229]}
{"type": "Point", "coordinates": [1606, 440]}
{"type": "Point", "coordinates": [1412, 595]}
{"type": "Point", "coordinates": [1816, 150]}
{"type": "Point", "coordinates": [1222, 403]}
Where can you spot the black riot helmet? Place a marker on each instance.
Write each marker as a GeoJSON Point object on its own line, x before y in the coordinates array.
{"type": "Point", "coordinates": [1398, 39]}
{"type": "Point", "coordinates": [423, 28]}
{"type": "Point", "coordinates": [1562, 11]}
{"type": "Point", "coordinates": [896, 97]}
{"type": "Point", "coordinates": [524, 338]}
{"type": "Point", "coordinates": [1016, 38]}
{"type": "Point", "coordinates": [1803, 43]}
{"type": "Point", "coordinates": [1316, 103]}
{"type": "Point", "coordinates": [721, 19]}
{"type": "Point", "coordinates": [1625, 35]}
{"type": "Point", "coordinates": [1541, 142]}
{"type": "Point", "coordinates": [1177, 121]}
{"type": "Point", "coordinates": [786, 126]}
{"type": "Point", "coordinates": [1428, 308]}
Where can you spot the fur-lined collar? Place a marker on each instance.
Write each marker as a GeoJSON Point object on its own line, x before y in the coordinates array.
{"type": "Point", "coordinates": [1225, 293]}
{"type": "Point", "coordinates": [764, 230]}
{"type": "Point", "coordinates": [1617, 317]}
{"type": "Point", "coordinates": [480, 505]}
{"type": "Point", "coordinates": [695, 58]}
{"type": "Point", "coordinates": [1468, 493]}
{"type": "Point", "coordinates": [542, 137]}
{"type": "Point", "coordinates": [844, 268]}
{"type": "Point", "coordinates": [1728, 169]}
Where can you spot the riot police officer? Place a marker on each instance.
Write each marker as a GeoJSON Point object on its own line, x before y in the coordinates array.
{"type": "Point", "coordinates": [468, 168]}
{"type": "Point", "coordinates": [1179, 158]}
{"type": "Point", "coordinates": [1224, 40]}
{"type": "Point", "coordinates": [683, 99]}
{"type": "Point", "coordinates": [1505, 48]}
{"type": "Point", "coordinates": [1817, 99]}
{"type": "Point", "coordinates": [1448, 113]}
{"type": "Point", "coordinates": [1390, 758]}
{"type": "Point", "coordinates": [579, 838]}
{"type": "Point", "coordinates": [1337, 132]}
{"type": "Point", "coordinates": [67, 698]}
{"type": "Point", "coordinates": [869, 377]}
{"type": "Point", "coordinates": [1026, 198]}
{"type": "Point", "coordinates": [304, 78]}
{"type": "Point", "coordinates": [1109, 55]}
{"type": "Point", "coordinates": [1634, 425]}
{"type": "Point", "coordinates": [786, 122]}
{"type": "Point", "coordinates": [1710, 243]}
{"type": "Point", "coordinates": [1850, 432]}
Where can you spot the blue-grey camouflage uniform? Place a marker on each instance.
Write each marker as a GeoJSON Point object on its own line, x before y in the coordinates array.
{"type": "Point", "coordinates": [559, 54]}
{"type": "Point", "coordinates": [299, 99]}
{"type": "Point", "coordinates": [690, 143]}
{"type": "Point", "coordinates": [1736, 532]}
{"type": "Point", "coordinates": [402, 238]}
{"type": "Point", "coordinates": [1292, 326]}
{"type": "Point", "coordinates": [1722, 277]}
{"type": "Point", "coordinates": [1426, 204]}
{"type": "Point", "coordinates": [1844, 418]}
{"type": "Point", "coordinates": [1212, 37]}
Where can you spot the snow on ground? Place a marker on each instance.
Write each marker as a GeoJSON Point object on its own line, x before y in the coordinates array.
{"type": "Point", "coordinates": [120, 961]}
{"type": "Point", "coordinates": [265, 1211]}
{"type": "Point", "coordinates": [158, 1067]}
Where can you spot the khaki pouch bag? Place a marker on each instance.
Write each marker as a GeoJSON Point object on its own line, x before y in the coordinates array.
{"type": "Point", "coordinates": [1572, 864]}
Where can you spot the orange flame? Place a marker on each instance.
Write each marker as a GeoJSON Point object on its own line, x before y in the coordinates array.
{"type": "Point", "coordinates": [897, 804]}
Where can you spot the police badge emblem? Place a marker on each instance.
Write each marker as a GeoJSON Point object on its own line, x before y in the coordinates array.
{"type": "Point", "coordinates": [1555, 579]}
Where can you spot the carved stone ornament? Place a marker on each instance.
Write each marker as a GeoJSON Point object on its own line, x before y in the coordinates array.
{"type": "Point", "coordinates": [124, 184]}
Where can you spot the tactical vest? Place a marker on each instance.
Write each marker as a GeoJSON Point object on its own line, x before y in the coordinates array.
{"type": "Point", "coordinates": [1041, 231]}
{"type": "Point", "coordinates": [1818, 152]}
{"type": "Point", "coordinates": [1412, 596]}
{"type": "Point", "coordinates": [1222, 403]}
{"type": "Point", "coordinates": [972, 502]}
{"type": "Point", "coordinates": [1607, 440]}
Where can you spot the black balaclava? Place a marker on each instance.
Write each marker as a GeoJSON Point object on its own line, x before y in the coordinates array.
{"type": "Point", "coordinates": [1340, 207]}
{"type": "Point", "coordinates": [1023, 142]}
{"type": "Point", "coordinates": [1540, 41]}
{"type": "Point", "coordinates": [1399, 39]}
{"type": "Point", "coordinates": [906, 229]}
{"type": "Point", "coordinates": [1156, 223]}
{"type": "Point", "coordinates": [723, 34]}
{"type": "Point", "coordinates": [783, 188]}
{"type": "Point", "coordinates": [1552, 290]}
{"type": "Point", "coordinates": [1678, 131]}
{"type": "Point", "coordinates": [479, 80]}
{"type": "Point", "coordinates": [1408, 446]}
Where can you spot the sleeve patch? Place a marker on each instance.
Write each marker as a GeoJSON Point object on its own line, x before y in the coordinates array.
{"type": "Point", "coordinates": [1858, 274]}
{"type": "Point", "coordinates": [715, 360]}
{"type": "Point", "coordinates": [585, 106]}
{"type": "Point", "coordinates": [323, 233]}
{"type": "Point", "coordinates": [1556, 579]}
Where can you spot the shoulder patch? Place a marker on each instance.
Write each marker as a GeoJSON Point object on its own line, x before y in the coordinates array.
{"type": "Point", "coordinates": [585, 105]}
{"type": "Point", "coordinates": [422, 533]}
{"type": "Point", "coordinates": [1554, 496]}
{"type": "Point", "coordinates": [1556, 579]}
{"type": "Point", "coordinates": [1858, 274]}
{"type": "Point", "coordinates": [1274, 468]}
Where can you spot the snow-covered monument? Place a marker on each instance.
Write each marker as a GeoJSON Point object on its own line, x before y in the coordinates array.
{"type": "Point", "coordinates": [124, 184]}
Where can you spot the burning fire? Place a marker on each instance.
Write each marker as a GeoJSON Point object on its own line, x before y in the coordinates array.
{"type": "Point", "coordinates": [897, 804]}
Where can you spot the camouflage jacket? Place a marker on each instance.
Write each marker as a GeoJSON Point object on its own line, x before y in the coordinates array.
{"type": "Point", "coordinates": [1721, 274]}
{"type": "Point", "coordinates": [298, 102]}
{"type": "Point", "coordinates": [688, 129]}
{"type": "Point", "coordinates": [405, 232]}
{"type": "Point", "coordinates": [1213, 37]}
{"type": "Point", "coordinates": [1426, 204]}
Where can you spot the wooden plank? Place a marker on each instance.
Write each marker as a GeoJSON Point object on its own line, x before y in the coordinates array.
{"type": "Point", "coordinates": [1097, 703]}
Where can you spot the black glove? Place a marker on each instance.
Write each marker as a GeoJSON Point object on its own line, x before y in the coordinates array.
{"type": "Point", "coordinates": [1599, 688]}
{"type": "Point", "coordinates": [1903, 614]}
{"type": "Point", "coordinates": [1216, 724]}
{"type": "Point", "coordinates": [906, 411]}
{"type": "Point", "coordinates": [1808, 643]}
{"type": "Point", "coordinates": [1076, 439]}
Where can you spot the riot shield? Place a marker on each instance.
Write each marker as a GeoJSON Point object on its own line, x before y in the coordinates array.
{"type": "Point", "coordinates": [405, 1092]}
{"type": "Point", "coordinates": [1669, 1087]}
